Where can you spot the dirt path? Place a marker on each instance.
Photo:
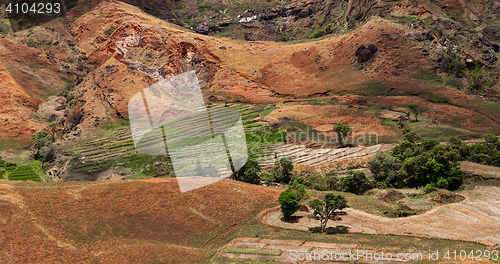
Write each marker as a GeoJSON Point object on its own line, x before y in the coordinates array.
{"type": "Point", "coordinates": [477, 218]}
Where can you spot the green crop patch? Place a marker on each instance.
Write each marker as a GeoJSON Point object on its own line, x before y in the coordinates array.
{"type": "Point", "coordinates": [429, 76]}
{"type": "Point", "coordinates": [22, 173]}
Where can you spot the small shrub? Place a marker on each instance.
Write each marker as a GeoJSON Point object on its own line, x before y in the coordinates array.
{"type": "Point", "coordinates": [356, 182]}
{"type": "Point", "coordinates": [413, 137]}
{"type": "Point", "coordinates": [429, 188]}
{"type": "Point", "coordinates": [289, 203]}
{"type": "Point", "coordinates": [317, 182]}
{"type": "Point", "coordinates": [268, 177]}
{"type": "Point", "coordinates": [32, 43]}
{"type": "Point", "coordinates": [387, 168]}
{"type": "Point", "coordinates": [298, 186]}
{"type": "Point", "coordinates": [455, 142]}
{"type": "Point", "coordinates": [385, 184]}
{"type": "Point", "coordinates": [442, 184]}
{"type": "Point", "coordinates": [318, 34]}
{"type": "Point", "coordinates": [284, 168]}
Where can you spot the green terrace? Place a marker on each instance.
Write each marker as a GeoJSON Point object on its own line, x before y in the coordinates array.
{"type": "Point", "coordinates": [13, 172]}
{"type": "Point", "coordinates": [116, 151]}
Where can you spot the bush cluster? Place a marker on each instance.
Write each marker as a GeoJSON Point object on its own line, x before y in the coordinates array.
{"type": "Point", "coordinates": [430, 163]}
{"type": "Point", "coordinates": [487, 152]}
{"type": "Point", "coordinates": [453, 64]}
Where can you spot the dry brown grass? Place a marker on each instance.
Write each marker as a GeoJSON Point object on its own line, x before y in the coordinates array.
{"type": "Point", "coordinates": [341, 164]}
{"type": "Point", "coordinates": [123, 222]}
{"type": "Point", "coordinates": [482, 170]}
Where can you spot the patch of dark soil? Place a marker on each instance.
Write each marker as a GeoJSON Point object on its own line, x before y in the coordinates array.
{"type": "Point", "coordinates": [392, 196]}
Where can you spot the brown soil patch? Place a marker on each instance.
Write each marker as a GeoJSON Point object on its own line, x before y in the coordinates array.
{"type": "Point", "coordinates": [322, 118]}
{"type": "Point", "coordinates": [480, 170]}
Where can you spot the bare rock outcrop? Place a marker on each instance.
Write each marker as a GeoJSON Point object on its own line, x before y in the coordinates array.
{"type": "Point", "coordinates": [365, 53]}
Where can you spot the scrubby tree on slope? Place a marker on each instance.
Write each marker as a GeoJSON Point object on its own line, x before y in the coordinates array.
{"type": "Point", "coordinates": [331, 208]}
{"type": "Point", "coordinates": [343, 131]}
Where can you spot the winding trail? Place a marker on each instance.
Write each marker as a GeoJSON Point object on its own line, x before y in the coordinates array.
{"type": "Point", "coordinates": [477, 219]}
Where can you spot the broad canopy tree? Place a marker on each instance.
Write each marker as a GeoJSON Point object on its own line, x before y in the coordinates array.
{"type": "Point", "coordinates": [331, 208]}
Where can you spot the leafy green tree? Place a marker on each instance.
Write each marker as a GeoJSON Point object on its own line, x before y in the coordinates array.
{"type": "Point", "coordinates": [429, 162]}
{"type": "Point", "coordinates": [268, 177]}
{"type": "Point", "coordinates": [331, 208]}
{"type": "Point", "coordinates": [46, 153]}
{"type": "Point", "coordinates": [429, 188]}
{"type": "Point", "coordinates": [284, 168]}
{"type": "Point", "coordinates": [439, 162]}
{"type": "Point", "coordinates": [484, 153]}
{"type": "Point", "coordinates": [355, 182]}
{"type": "Point", "coordinates": [414, 109]}
{"type": "Point", "coordinates": [42, 143]}
{"type": "Point", "coordinates": [62, 122]}
{"type": "Point", "coordinates": [299, 187]}
{"type": "Point", "coordinates": [226, 103]}
{"type": "Point", "coordinates": [329, 182]}
{"type": "Point", "coordinates": [289, 203]}
{"type": "Point", "coordinates": [404, 150]}
{"type": "Point", "coordinates": [493, 140]}
{"type": "Point", "coordinates": [250, 172]}
{"type": "Point", "coordinates": [52, 129]}
{"type": "Point", "coordinates": [343, 131]}
{"type": "Point", "coordinates": [430, 144]}
{"type": "Point", "coordinates": [442, 183]}
{"type": "Point", "coordinates": [413, 137]}
{"type": "Point", "coordinates": [42, 139]}
{"type": "Point", "coordinates": [384, 167]}
{"type": "Point", "coordinates": [455, 142]}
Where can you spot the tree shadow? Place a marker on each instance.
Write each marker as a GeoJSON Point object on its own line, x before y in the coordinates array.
{"type": "Point", "coordinates": [340, 229]}
{"type": "Point", "coordinates": [292, 219]}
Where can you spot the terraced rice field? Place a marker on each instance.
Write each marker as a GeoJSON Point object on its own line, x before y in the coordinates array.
{"type": "Point", "coordinates": [302, 155]}
{"type": "Point", "coordinates": [24, 173]}
{"type": "Point", "coordinates": [13, 172]}
{"type": "Point", "coordinates": [117, 150]}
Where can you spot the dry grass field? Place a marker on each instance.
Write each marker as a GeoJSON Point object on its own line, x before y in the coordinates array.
{"type": "Point", "coordinates": [122, 222]}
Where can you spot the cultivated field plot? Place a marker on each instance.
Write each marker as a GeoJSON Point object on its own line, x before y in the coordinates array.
{"type": "Point", "coordinates": [24, 173]}
{"type": "Point", "coordinates": [116, 154]}
{"type": "Point", "coordinates": [278, 250]}
{"type": "Point", "coordinates": [477, 219]}
{"type": "Point", "coordinates": [18, 173]}
{"type": "Point", "coordinates": [302, 155]}
{"type": "Point", "coordinates": [301, 251]}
